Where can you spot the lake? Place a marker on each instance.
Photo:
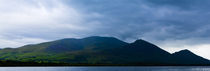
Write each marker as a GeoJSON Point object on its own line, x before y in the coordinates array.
{"type": "Point", "coordinates": [193, 68]}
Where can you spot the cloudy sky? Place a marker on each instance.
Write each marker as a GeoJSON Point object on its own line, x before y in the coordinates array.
{"type": "Point", "coordinates": [171, 24]}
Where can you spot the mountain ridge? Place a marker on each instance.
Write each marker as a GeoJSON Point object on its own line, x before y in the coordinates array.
{"type": "Point", "coordinates": [98, 50]}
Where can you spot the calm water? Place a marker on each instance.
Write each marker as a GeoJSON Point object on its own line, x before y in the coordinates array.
{"type": "Point", "coordinates": [104, 68]}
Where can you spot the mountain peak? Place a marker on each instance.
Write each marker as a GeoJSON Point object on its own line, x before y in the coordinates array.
{"type": "Point", "coordinates": [185, 51]}
{"type": "Point", "coordinates": [188, 57]}
{"type": "Point", "coordinates": [141, 41]}
{"type": "Point", "coordinates": [145, 47]}
{"type": "Point", "coordinates": [144, 43]}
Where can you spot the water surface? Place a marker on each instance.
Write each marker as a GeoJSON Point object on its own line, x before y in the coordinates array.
{"type": "Point", "coordinates": [105, 68]}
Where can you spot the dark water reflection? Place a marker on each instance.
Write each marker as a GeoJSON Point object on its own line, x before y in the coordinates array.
{"type": "Point", "coordinates": [104, 68]}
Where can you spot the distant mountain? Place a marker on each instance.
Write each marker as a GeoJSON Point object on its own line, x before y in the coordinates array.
{"type": "Point", "coordinates": [99, 51]}
{"type": "Point", "coordinates": [187, 57]}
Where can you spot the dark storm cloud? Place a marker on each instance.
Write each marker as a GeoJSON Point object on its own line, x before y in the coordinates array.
{"type": "Point", "coordinates": [149, 19]}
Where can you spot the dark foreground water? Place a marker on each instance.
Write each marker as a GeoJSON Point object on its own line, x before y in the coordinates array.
{"type": "Point", "coordinates": [104, 68]}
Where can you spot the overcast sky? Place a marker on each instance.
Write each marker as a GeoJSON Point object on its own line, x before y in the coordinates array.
{"type": "Point", "coordinates": [171, 24]}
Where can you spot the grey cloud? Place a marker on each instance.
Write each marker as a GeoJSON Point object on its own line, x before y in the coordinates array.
{"type": "Point", "coordinates": [155, 20]}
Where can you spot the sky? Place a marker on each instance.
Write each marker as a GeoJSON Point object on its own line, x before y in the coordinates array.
{"type": "Point", "coordinates": [171, 24]}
